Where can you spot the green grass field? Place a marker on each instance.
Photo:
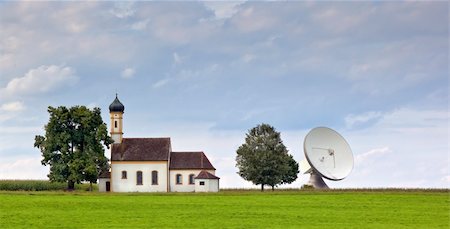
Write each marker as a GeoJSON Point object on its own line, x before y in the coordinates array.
{"type": "Point", "coordinates": [228, 209]}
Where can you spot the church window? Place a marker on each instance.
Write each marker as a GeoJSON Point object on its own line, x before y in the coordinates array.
{"type": "Point", "coordinates": [115, 124]}
{"type": "Point", "coordinates": [139, 178]}
{"type": "Point", "coordinates": [202, 183]}
{"type": "Point", "coordinates": [191, 179]}
{"type": "Point", "coordinates": [124, 174]}
{"type": "Point", "coordinates": [154, 177]}
{"type": "Point", "coordinates": [179, 179]}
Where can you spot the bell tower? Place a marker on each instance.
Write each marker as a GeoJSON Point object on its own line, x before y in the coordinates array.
{"type": "Point", "coordinates": [116, 113]}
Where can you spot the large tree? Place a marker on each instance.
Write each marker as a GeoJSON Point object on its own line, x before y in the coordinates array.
{"type": "Point", "coordinates": [264, 160]}
{"type": "Point", "coordinates": [73, 144]}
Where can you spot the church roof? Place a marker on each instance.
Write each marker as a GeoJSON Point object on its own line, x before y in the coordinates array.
{"type": "Point", "coordinates": [189, 160]}
{"type": "Point", "coordinates": [116, 106]}
{"type": "Point", "coordinates": [105, 174]}
{"type": "Point", "coordinates": [206, 175]}
{"type": "Point", "coordinates": [141, 149]}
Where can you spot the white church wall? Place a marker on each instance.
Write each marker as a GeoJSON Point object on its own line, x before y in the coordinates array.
{"type": "Point", "coordinates": [209, 185]}
{"type": "Point", "coordinates": [130, 184]}
{"type": "Point", "coordinates": [102, 184]}
{"type": "Point", "coordinates": [185, 186]}
{"type": "Point", "coordinates": [213, 185]}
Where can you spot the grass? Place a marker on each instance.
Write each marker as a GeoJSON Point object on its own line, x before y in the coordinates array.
{"type": "Point", "coordinates": [228, 209]}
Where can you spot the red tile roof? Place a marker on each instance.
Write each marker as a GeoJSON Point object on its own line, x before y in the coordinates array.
{"type": "Point", "coordinates": [141, 149]}
{"type": "Point", "coordinates": [206, 175]}
{"type": "Point", "coordinates": [189, 160]}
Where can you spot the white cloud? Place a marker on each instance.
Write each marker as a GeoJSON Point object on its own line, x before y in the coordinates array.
{"type": "Point", "coordinates": [184, 75]}
{"type": "Point", "coordinates": [248, 58]}
{"type": "Point", "coordinates": [128, 73]}
{"type": "Point", "coordinates": [339, 19]}
{"type": "Point", "coordinates": [42, 79]}
{"type": "Point", "coordinates": [251, 20]}
{"type": "Point", "coordinates": [123, 9]}
{"type": "Point", "coordinates": [92, 105]}
{"type": "Point", "coordinates": [446, 179]}
{"type": "Point", "coordinates": [20, 130]}
{"type": "Point", "coordinates": [9, 46]}
{"type": "Point", "coordinates": [404, 148]}
{"type": "Point", "coordinates": [11, 110]}
{"type": "Point", "coordinates": [189, 74]}
{"type": "Point", "coordinates": [412, 120]}
{"type": "Point", "coordinates": [23, 168]}
{"type": "Point", "coordinates": [373, 153]}
{"type": "Point", "coordinates": [13, 106]}
{"type": "Point", "coordinates": [177, 58]}
{"type": "Point", "coordinates": [352, 120]}
{"type": "Point", "coordinates": [223, 10]}
{"type": "Point", "coordinates": [76, 27]}
{"type": "Point", "coordinates": [5, 116]}
{"type": "Point", "coordinates": [140, 25]}
{"type": "Point", "coordinates": [161, 83]}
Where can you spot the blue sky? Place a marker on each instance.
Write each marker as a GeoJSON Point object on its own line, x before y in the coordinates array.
{"type": "Point", "coordinates": [204, 73]}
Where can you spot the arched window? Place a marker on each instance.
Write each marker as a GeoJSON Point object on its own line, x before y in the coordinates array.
{"type": "Point", "coordinates": [191, 179]}
{"type": "Point", "coordinates": [139, 178]}
{"type": "Point", "coordinates": [124, 174]}
{"type": "Point", "coordinates": [179, 179]}
{"type": "Point", "coordinates": [154, 177]}
{"type": "Point", "coordinates": [115, 124]}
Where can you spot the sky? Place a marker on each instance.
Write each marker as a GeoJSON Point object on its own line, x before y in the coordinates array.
{"type": "Point", "coordinates": [204, 73]}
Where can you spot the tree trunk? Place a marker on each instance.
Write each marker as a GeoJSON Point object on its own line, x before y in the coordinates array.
{"type": "Point", "coordinates": [273, 188]}
{"type": "Point", "coordinates": [90, 186]}
{"type": "Point", "coordinates": [262, 187]}
{"type": "Point", "coordinates": [71, 186]}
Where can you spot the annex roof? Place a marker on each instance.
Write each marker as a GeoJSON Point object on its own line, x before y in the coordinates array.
{"type": "Point", "coordinates": [206, 175]}
{"type": "Point", "coordinates": [189, 160]}
{"type": "Point", "coordinates": [141, 149]}
{"type": "Point", "coordinates": [105, 174]}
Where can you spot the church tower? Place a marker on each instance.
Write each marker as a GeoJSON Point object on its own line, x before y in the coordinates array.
{"type": "Point", "coordinates": [116, 113]}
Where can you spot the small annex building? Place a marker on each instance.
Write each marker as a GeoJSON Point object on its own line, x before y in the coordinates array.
{"type": "Point", "coordinates": [150, 165]}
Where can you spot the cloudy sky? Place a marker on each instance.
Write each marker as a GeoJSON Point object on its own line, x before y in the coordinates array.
{"type": "Point", "coordinates": [205, 73]}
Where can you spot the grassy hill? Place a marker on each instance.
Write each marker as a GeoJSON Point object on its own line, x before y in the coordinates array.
{"type": "Point", "coordinates": [228, 209]}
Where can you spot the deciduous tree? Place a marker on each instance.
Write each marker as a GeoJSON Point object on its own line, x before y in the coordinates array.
{"type": "Point", "coordinates": [264, 160]}
{"type": "Point", "coordinates": [73, 144]}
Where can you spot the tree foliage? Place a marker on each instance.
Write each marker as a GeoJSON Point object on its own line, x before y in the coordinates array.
{"type": "Point", "coordinates": [264, 160]}
{"type": "Point", "coordinates": [73, 144]}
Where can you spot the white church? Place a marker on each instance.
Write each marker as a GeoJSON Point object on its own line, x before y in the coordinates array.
{"type": "Point", "coordinates": [150, 165]}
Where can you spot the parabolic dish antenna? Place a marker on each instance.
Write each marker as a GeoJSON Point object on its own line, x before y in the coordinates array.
{"type": "Point", "coordinates": [327, 155]}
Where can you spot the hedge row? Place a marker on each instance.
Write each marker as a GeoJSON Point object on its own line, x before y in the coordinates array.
{"type": "Point", "coordinates": [38, 185]}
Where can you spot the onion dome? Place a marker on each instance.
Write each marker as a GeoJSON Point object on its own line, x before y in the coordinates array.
{"type": "Point", "coordinates": [116, 106]}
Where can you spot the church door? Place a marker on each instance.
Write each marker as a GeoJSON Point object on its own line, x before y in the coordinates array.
{"type": "Point", "coordinates": [108, 186]}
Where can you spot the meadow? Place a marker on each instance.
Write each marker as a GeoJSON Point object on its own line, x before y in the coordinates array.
{"type": "Point", "coordinates": [227, 209]}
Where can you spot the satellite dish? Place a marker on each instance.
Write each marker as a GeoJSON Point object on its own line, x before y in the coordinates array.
{"type": "Point", "coordinates": [327, 155]}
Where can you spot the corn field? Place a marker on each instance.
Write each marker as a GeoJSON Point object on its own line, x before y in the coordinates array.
{"type": "Point", "coordinates": [39, 185]}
